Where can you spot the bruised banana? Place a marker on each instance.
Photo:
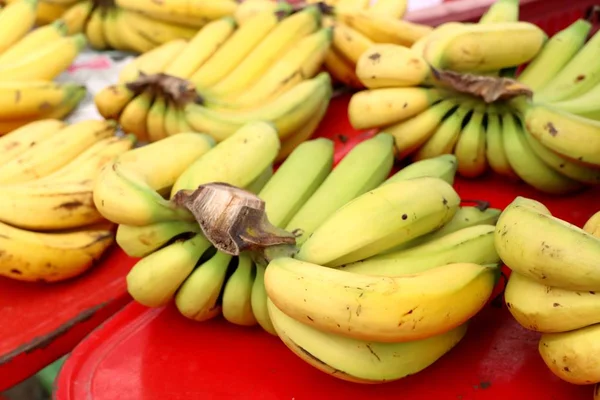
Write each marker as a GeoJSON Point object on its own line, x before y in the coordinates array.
{"type": "Point", "coordinates": [360, 361]}
{"type": "Point", "coordinates": [382, 309]}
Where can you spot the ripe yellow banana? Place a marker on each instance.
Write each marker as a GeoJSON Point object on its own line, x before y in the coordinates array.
{"type": "Point", "coordinates": [470, 147]}
{"type": "Point", "coordinates": [50, 257]}
{"type": "Point", "coordinates": [198, 298]}
{"type": "Point", "coordinates": [443, 167]}
{"type": "Point", "coordinates": [572, 356]}
{"type": "Point", "coordinates": [364, 168]}
{"type": "Point", "coordinates": [357, 360]}
{"type": "Point", "coordinates": [16, 19]}
{"type": "Point", "coordinates": [129, 190]}
{"type": "Point", "coordinates": [93, 29]}
{"type": "Point", "coordinates": [347, 41]}
{"type": "Point", "coordinates": [27, 137]}
{"type": "Point", "coordinates": [341, 69]}
{"type": "Point", "coordinates": [156, 30]}
{"type": "Point", "coordinates": [379, 220]}
{"type": "Point", "coordinates": [553, 252]}
{"type": "Point", "coordinates": [469, 245]}
{"type": "Point", "coordinates": [376, 308]}
{"type": "Point", "coordinates": [140, 241]}
{"type": "Point", "coordinates": [238, 160]}
{"type": "Point", "coordinates": [47, 13]}
{"type": "Point", "coordinates": [390, 8]}
{"type": "Point", "coordinates": [248, 9]}
{"type": "Point", "coordinates": [549, 309]}
{"type": "Point", "coordinates": [36, 39]}
{"type": "Point", "coordinates": [194, 13]}
{"type": "Point", "coordinates": [76, 16]}
{"type": "Point", "coordinates": [55, 152]}
{"type": "Point", "coordinates": [135, 114]}
{"type": "Point", "coordinates": [381, 107]}
{"type": "Point", "coordinates": [152, 62]}
{"type": "Point", "coordinates": [155, 122]}
{"type": "Point", "coordinates": [237, 293]}
{"type": "Point", "coordinates": [31, 99]}
{"type": "Point", "coordinates": [46, 63]}
{"type": "Point", "coordinates": [154, 279]}
{"type": "Point", "coordinates": [111, 100]}
{"type": "Point", "coordinates": [110, 21]}
{"type": "Point", "coordinates": [592, 226]}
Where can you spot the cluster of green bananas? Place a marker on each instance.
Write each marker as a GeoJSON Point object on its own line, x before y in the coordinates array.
{"type": "Point", "coordinates": [264, 67]}
{"type": "Point", "coordinates": [132, 25]}
{"type": "Point", "coordinates": [554, 286]}
{"type": "Point", "coordinates": [434, 240]}
{"type": "Point", "coordinates": [551, 142]}
{"type": "Point", "coordinates": [49, 227]}
{"type": "Point", "coordinates": [29, 61]}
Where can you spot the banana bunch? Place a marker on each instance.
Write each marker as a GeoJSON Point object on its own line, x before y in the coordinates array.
{"type": "Point", "coordinates": [29, 61]}
{"type": "Point", "coordinates": [540, 142]}
{"type": "Point", "coordinates": [554, 286]}
{"type": "Point", "coordinates": [264, 67]}
{"type": "Point", "coordinates": [49, 227]}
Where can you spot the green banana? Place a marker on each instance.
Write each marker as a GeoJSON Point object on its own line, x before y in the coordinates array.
{"type": "Point", "coordinates": [443, 167]}
{"type": "Point", "coordinates": [236, 303]}
{"type": "Point", "coordinates": [139, 241]}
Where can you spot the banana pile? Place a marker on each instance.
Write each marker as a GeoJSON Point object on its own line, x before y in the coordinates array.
{"type": "Point", "coordinates": [49, 228]}
{"type": "Point", "coordinates": [264, 67]}
{"type": "Point", "coordinates": [554, 286]}
{"type": "Point", "coordinates": [29, 61]}
{"type": "Point", "coordinates": [449, 94]}
{"type": "Point", "coordinates": [132, 25]}
{"type": "Point", "coordinates": [367, 229]}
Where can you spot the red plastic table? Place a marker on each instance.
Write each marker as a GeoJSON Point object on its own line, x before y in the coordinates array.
{"type": "Point", "coordinates": [40, 323]}
{"type": "Point", "coordinates": [156, 354]}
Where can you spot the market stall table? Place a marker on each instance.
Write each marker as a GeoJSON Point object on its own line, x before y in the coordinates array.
{"type": "Point", "coordinates": [148, 354]}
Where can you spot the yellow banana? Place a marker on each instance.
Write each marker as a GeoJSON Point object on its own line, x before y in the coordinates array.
{"type": "Point", "coordinates": [443, 167]}
{"type": "Point", "coordinates": [93, 29]}
{"type": "Point", "coordinates": [152, 62]}
{"type": "Point", "coordinates": [131, 38]}
{"type": "Point", "coordinates": [76, 16]}
{"type": "Point", "coordinates": [155, 123]}
{"type": "Point", "coordinates": [36, 39]}
{"type": "Point", "coordinates": [470, 147]}
{"type": "Point", "coordinates": [19, 141]}
{"type": "Point", "coordinates": [592, 226]}
{"type": "Point", "coordinates": [156, 30]}
{"type": "Point", "coordinates": [188, 12]}
{"type": "Point", "coordinates": [341, 69]}
{"type": "Point", "coordinates": [16, 19]}
{"type": "Point", "coordinates": [110, 21]}
{"type": "Point", "coordinates": [348, 41]}
{"type": "Point", "coordinates": [134, 117]}
{"type": "Point", "coordinates": [111, 100]}
{"type": "Point", "coordinates": [140, 241]}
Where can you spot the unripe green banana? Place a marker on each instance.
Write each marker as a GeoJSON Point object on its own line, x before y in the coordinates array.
{"type": "Point", "coordinates": [236, 303]}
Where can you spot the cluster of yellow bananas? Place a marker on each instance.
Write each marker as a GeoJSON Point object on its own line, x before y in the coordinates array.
{"type": "Point", "coordinates": [132, 25]}
{"type": "Point", "coordinates": [554, 286]}
{"type": "Point", "coordinates": [552, 142]}
{"type": "Point", "coordinates": [371, 229]}
{"type": "Point", "coordinates": [29, 61]}
{"type": "Point", "coordinates": [49, 227]}
{"type": "Point", "coordinates": [260, 66]}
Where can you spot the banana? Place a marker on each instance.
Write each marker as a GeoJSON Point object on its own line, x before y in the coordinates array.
{"type": "Point", "coordinates": [129, 190]}
{"type": "Point", "coordinates": [76, 16]}
{"type": "Point", "coordinates": [156, 30]}
{"type": "Point", "coordinates": [112, 100]}
{"type": "Point", "coordinates": [194, 13]}
{"type": "Point", "coordinates": [131, 38]}
{"type": "Point", "coordinates": [32, 98]}
{"type": "Point", "coordinates": [391, 8]}
{"type": "Point", "coordinates": [171, 119]}
{"type": "Point", "coordinates": [577, 77]}
{"type": "Point", "coordinates": [485, 47]}
{"type": "Point", "coordinates": [353, 4]}
{"type": "Point", "coordinates": [386, 106]}
{"type": "Point", "coordinates": [470, 147]}
{"type": "Point", "coordinates": [361, 361]}
{"type": "Point", "coordinates": [364, 168]}
{"type": "Point", "coordinates": [27, 137]}
{"type": "Point", "coordinates": [443, 167]}
{"type": "Point", "coordinates": [269, 50]}
{"type": "Point", "coordinates": [348, 41]}
{"type": "Point", "coordinates": [494, 151]}
{"type": "Point", "coordinates": [42, 159]}
{"type": "Point", "coordinates": [586, 105]}
{"type": "Point", "coordinates": [48, 13]}
{"type": "Point", "coordinates": [261, 180]}
{"type": "Point", "coordinates": [16, 19]}
{"type": "Point", "coordinates": [380, 220]}
{"type": "Point", "coordinates": [555, 54]}
{"type": "Point", "coordinates": [259, 299]}
{"type": "Point", "coordinates": [386, 65]}
{"type": "Point", "coordinates": [155, 123]}
{"type": "Point", "coordinates": [152, 62]}
{"type": "Point", "coordinates": [243, 42]}
{"type": "Point", "coordinates": [553, 252]}
{"type": "Point", "coordinates": [383, 28]}
{"type": "Point", "coordinates": [382, 309]}
{"type": "Point", "coordinates": [36, 39]}
{"type": "Point", "coordinates": [299, 63]}
{"type": "Point", "coordinates": [501, 11]}
{"type": "Point", "coordinates": [237, 292]}
{"type": "Point", "coordinates": [443, 140]}
{"type": "Point", "coordinates": [201, 47]}
{"type": "Point", "coordinates": [340, 69]}
{"type": "Point", "coordinates": [46, 63]}
{"type": "Point", "coordinates": [238, 160]}
{"type": "Point", "coordinates": [527, 165]}
{"type": "Point", "coordinates": [412, 133]}
{"type": "Point", "coordinates": [140, 241]}
{"type": "Point", "coordinates": [93, 29]}
{"type": "Point", "coordinates": [50, 257]}
{"type": "Point", "coordinates": [135, 114]}
{"type": "Point", "coordinates": [248, 9]}
{"type": "Point", "coordinates": [439, 31]}
{"type": "Point", "coordinates": [288, 112]}
{"type": "Point", "coordinates": [573, 137]}
{"type": "Point", "coordinates": [549, 309]}
{"type": "Point", "coordinates": [110, 22]}
{"type": "Point", "coordinates": [592, 226]}
{"type": "Point", "coordinates": [198, 297]}
{"type": "Point", "coordinates": [154, 279]}
{"type": "Point", "coordinates": [578, 172]}
{"type": "Point", "coordinates": [572, 356]}
{"type": "Point", "coordinates": [469, 245]}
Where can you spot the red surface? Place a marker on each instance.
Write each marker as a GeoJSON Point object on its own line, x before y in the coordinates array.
{"type": "Point", "coordinates": [148, 354]}
{"type": "Point", "coordinates": [40, 323]}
